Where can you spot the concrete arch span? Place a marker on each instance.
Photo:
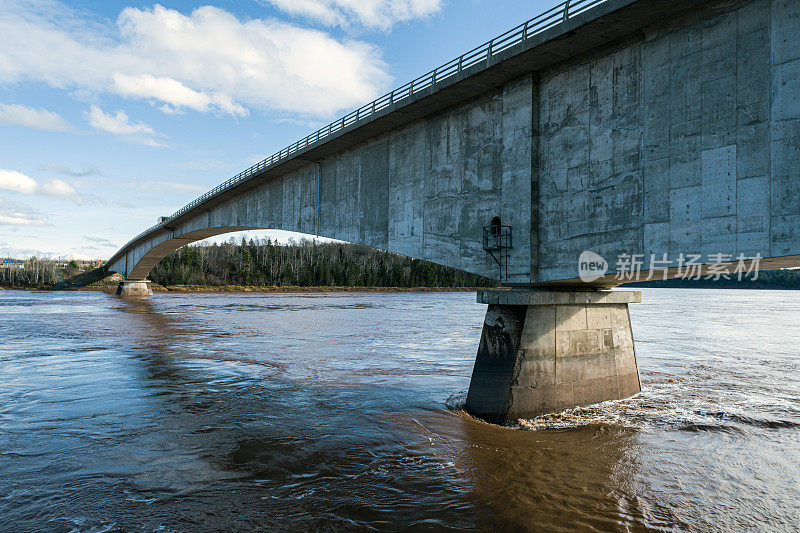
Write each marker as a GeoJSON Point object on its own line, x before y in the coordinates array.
{"type": "Point", "coordinates": [137, 266]}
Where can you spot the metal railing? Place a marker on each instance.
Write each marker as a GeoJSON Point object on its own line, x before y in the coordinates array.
{"type": "Point", "coordinates": [549, 19]}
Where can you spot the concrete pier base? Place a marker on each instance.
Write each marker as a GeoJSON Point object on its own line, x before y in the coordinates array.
{"type": "Point", "coordinates": [134, 287]}
{"type": "Point", "coordinates": [546, 351]}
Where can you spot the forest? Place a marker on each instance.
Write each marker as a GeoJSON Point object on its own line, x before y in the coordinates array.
{"type": "Point", "coordinates": [306, 264]}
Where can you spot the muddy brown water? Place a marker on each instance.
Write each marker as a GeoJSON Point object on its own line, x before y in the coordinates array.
{"type": "Point", "coordinates": [336, 411]}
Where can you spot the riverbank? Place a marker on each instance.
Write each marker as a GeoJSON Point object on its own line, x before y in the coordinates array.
{"type": "Point", "coordinates": [110, 283]}
{"type": "Point", "coordinates": [288, 289]}
{"type": "Point", "coordinates": [37, 288]}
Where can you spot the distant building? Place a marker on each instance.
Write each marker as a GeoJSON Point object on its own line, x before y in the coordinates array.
{"type": "Point", "coordinates": [14, 263]}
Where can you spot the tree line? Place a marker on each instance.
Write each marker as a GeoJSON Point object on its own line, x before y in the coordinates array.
{"type": "Point", "coordinates": [304, 264]}
{"type": "Point", "coordinates": [315, 264]}
{"type": "Point", "coordinates": [37, 273]}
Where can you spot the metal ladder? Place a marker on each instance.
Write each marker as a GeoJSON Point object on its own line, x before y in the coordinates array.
{"type": "Point", "coordinates": [498, 242]}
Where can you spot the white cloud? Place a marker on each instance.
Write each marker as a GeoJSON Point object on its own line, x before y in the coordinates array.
{"type": "Point", "coordinates": [19, 218]}
{"type": "Point", "coordinates": [120, 124]}
{"type": "Point", "coordinates": [207, 60]}
{"type": "Point", "coordinates": [381, 14]}
{"type": "Point", "coordinates": [11, 180]}
{"type": "Point", "coordinates": [20, 215]}
{"type": "Point", "coordinates": [175, 94]}
{"type": "Point", "coordinates": [59, 189]}
{"type": "Point", "coordinates": [40, 119]}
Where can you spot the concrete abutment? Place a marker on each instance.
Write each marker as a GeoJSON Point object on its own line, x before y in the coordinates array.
{"type": "Point", "coordinates": [134, 287]}
{"type": "Point", "coordinates": [546, 351]}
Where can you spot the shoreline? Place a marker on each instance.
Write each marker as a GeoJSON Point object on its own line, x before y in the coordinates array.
{"type": "Point", "coordinates": [299, 289]}
{"type": "Point", "coordinates": [198, 289]}
{"type": "Point", "coordinates": [210, 289]}
{"type": "Point", "coordinates": [189, 289]}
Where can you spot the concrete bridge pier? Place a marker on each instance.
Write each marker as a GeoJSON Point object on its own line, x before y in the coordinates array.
{"type": "Point", "coordinates": [543, 351]}
{"type": "Point", "coordinates": [134, 287]}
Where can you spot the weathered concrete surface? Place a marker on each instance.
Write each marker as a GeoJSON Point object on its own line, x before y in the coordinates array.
{"type": "Point", "coordinates": [416, 192]}
{"type": "Point", "coordinates": [543, 352]}
{"type": "Point", "coordinates": [653, 128]}
{"type": "Point", "coordinates": [553, 297]}
{"type": "Point", "coordinates": [134, 288]}
{"type": "Point", "coordinates": [685, 140]}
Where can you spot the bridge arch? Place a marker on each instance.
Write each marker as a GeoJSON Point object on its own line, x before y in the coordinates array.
{"type": "Point", "coordinates": [138, 259]}
{"type": "Point", "coordinates": [136, 263]}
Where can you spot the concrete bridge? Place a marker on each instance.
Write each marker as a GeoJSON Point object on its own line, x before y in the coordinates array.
{"type": "Point", "coordinates": [626, 128]}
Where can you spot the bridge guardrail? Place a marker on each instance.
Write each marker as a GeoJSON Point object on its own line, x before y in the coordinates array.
{"type": "Point", "coordinates": [542, 22]}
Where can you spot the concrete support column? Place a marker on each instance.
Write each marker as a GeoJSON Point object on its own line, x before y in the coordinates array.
{"type": "Point", "coordinates": [546, 351]}
{"type": "Point", "coordinates": [134, 287]}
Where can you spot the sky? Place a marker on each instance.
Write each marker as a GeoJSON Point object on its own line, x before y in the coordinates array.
{"type": "Point", "coordinates": [113, 113]}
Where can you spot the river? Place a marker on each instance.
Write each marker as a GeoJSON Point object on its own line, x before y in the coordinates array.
{"type": "Point", "coordinates": [342, 412]}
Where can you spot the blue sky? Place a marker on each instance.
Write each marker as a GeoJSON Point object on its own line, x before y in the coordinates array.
{"type": "Point", "coordinates": [114, 113]}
